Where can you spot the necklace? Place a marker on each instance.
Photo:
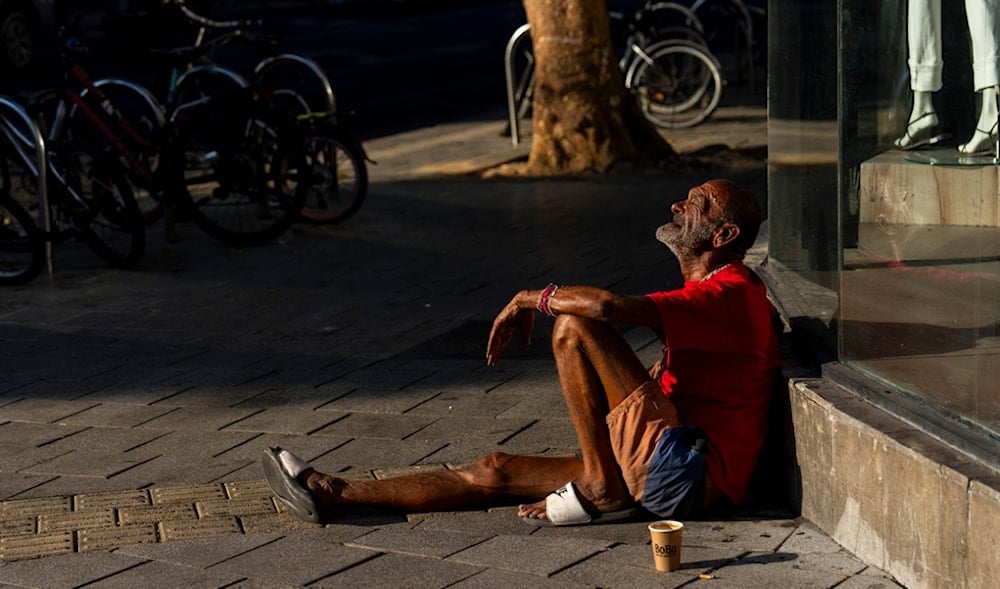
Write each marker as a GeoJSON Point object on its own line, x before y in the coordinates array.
{"type": "Point", "coordinates": [716, 271]}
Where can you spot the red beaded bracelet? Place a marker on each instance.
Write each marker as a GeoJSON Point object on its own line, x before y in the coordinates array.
{"type": "Point", "coordinates": [543, 299]}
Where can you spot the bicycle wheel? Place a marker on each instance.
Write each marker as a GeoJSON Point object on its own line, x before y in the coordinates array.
{"type": "Point", "coordinates": [103, 209]}
{"type": "Point", "coordinates": [22, 248]}
{"type": "Point", "coordinates": [240, 175]}
{"type": "Point", "coordinates": [338, 176]}
{"type": "Point", "coordinates": [142, 131]}
{"type": "Point", "coordinates": [678, 86]}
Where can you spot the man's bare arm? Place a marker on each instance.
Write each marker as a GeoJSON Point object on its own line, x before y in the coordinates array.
{"type": "Point", "coordinates": [583, 301]}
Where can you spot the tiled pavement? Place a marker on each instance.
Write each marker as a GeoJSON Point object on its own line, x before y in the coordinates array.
{"type": "Point", "coordinates": [134, 405]}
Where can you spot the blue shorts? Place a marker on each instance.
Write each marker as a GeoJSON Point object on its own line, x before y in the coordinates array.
{"type": "Point", "coordinates": [675, 481]}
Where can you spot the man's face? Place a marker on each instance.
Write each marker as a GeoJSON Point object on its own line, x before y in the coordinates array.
{"type": "Point", "coordinates": [695, 219]}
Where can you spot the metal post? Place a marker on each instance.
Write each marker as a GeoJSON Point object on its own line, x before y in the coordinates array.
{"type": "Point", "coordinates": [40, 171]}
{"type": "Point", "coordinates": [515, 134]}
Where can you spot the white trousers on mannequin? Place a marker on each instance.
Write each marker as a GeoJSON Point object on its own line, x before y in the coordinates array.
{"type": "Point", "coordinates": [923, 30]}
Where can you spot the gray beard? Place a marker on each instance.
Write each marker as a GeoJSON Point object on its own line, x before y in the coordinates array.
{"type": "Point", "coordinates": [685, 243]}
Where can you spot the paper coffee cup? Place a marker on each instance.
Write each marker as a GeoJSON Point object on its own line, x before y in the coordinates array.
{"type": "Point", "coordinates": [666, 538]}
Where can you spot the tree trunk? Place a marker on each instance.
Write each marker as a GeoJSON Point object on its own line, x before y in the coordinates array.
{"type": "Point", "coordinates": [583, 117]}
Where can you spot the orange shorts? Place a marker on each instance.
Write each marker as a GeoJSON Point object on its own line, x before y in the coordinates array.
{"type": "Point", "coordinates": [636, 425]}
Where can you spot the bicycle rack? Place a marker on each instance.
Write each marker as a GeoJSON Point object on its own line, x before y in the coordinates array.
{"type": "Point", "coordinates": [267, 64]}
{"type": "Point", "coordinates": [748, 25]}
{"type": "Point", "coordinates": [512, 113]}
{"type": "Point", "coordinates": [41, 173]}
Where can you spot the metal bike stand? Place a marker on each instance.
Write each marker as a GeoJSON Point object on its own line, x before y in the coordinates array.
{"type": "Point", "coordinates": [749, 28]}
{"type": "Point", "coordinates": [266, 65]}
{"type": "Point", "coordinates": [41, 159]}
{"type": "Point", "coordinates": [515, 40]}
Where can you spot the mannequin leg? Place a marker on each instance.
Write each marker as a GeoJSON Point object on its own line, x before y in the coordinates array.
{"type": "Point", "coordinates": [924, 46]}
{"type": "Point", "coordinates": [984, 32]}
{"type": "Point", "coordinates": [984, 139]}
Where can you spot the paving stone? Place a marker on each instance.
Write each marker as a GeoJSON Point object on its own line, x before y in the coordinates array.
{"type": "Point", "coordinates": [284, 420]}
{"type": "Point", "coordinates": [394, 570]}
{"type": "Point", "coordinates": [199, 446]}
{"type": "Point", "coordinates": [114, 414]}
{"type": "Point", "coordinates": [807, 538]}
{"type": "Point", "coordinates": [540, 436]}
{"type": "Point", "coordinates": [32, 507]}
{"type": "Point", "coordinates": [182, 529]}
{"type": "Point", "coordinates": [24, 435]}
{"type": "Point", "coordinates": [65, 571]}
{"type": "Point", "coordinates": [93, 539]}
{"type": "Point", "coordinates": [44, 410]}
{"type": "Point", "coordinates": [753, 535]}
{"type": "Point", "coordinates": [88, 462]}
{"type": "Point", "coordinates": [243, 490]}
{"type": "Point", "coordinates": [107, 439]}
{"type": "Point", "coordinates": [187, 494]}
{"type": "Point", "coordinates": [150, 515]}
{"type": "Point", "coordinates": [307, 447]}
{"type": "Point", "coordinates": [416, 542]}
{"type": "Point", "coordinates": [625, 533]}
{"type": "Point", "coordinates": [206, 395]}
{"type": "Point", "coordinates": [499, 579]}
{"type": "Point", "coordinates": [772, 570]}
{"type": "Point", "coordinates": [310, 397]}
{"type": "Point", "coordinates": [206, 419]}
{"type": "Point", "coordinates": [174, 574]}
{"type": "Point", "coordinates": [241, 507]}
{"type": "Point", "coordinates": [839, 563]}
{"type": "Point", "coordinates": [694, 560]}
{"type": "Point", "coordinates": [369, 454]}
{"type": "Point", "coordinates": [280, 522]}
{"type": "Point", "coordinates": [537, 406]}
{"type": "Point", "coordinates": [875, 579]}
{"type": "Point", "coordinates": [483, 430]}
{"type": "Point", "coordinates": [375, 426]}
{"type": "Point", "coordinates": [495, 522]}
{"type": "Point", "coordinates": [529, 554]}
{"type": "Point", "coordinates": [18, 525]}
{"type": "Point", "coordinates": [98, 501]}
{"type": "Point", "coordinates": [302, 561]}
{"type": "Point", "coordinates": [76, 520]}
{"type": "Point", "coordinates": [466, 404]}
{"type": "Point", "coordinates": [35, 545]}
{"type": "Point", "coordinates": [46, 486]}
{"type": "Point", "coordinates": [594, 573]}
{"type": "Point", "coordinates": [198, 553]}
{"type": "Point", "coordinates": [374, 401]}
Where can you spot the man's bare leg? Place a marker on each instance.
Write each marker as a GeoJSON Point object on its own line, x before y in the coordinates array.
{"type": "Point", "coordinates": [492, 478]}
{"type": "Point", "coordinates": [597, 370]}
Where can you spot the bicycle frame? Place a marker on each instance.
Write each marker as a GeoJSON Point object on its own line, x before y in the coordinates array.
{"type": "Point", "coordinates": [235, 29]}
{"type": "Point", "coordinates": [91, 101]}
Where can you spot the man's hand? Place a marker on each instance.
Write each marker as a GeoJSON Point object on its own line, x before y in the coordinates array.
{"type": "Point", "coordinates": [512, 317]}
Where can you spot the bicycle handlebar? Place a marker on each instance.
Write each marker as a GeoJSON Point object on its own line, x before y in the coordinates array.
{"type": "Point", "coordinates": [207, 22]}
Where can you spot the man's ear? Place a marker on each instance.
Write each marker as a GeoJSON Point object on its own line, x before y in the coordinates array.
{"type": "Point", "coordinates": [725, 234]}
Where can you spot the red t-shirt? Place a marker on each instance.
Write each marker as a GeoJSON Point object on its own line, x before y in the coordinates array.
{"type": "Point", "coordinates": [720, 360]}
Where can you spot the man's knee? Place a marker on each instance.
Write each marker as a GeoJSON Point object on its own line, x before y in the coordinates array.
{"type": "Point", "coordinates": [570, 330]}
{"type": "Point", "coordinates": [488, 471]}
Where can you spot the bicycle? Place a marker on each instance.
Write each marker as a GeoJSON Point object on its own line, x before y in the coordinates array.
{"type": "Point", "coordinates": [221, 159]}
{"type": "Point", "coordinates": [674, 78]}
{"type": "Point", "coordinates": [291, 84]}
{"type": "Point", "coordinates": [90, 200]}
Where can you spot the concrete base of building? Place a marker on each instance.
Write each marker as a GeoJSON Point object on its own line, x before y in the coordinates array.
{"type": "Point", "coordinates": [891, 494]}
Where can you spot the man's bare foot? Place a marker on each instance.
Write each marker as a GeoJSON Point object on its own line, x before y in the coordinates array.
{"type": "Point", "coordinates": [600, 505]}
{"type": "Point", "coordinates": [325, 488]}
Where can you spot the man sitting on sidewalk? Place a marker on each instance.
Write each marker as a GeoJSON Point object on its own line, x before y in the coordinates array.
{"type": "Point", "coordinates": [681, 442]}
